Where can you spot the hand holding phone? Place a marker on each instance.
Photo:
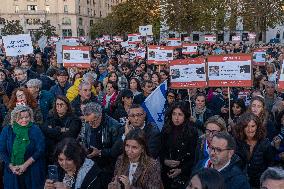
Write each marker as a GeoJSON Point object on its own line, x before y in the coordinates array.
{"type": "Point", "coordinates": [53, 173]}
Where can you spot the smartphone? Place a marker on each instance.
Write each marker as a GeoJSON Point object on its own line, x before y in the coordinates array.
{"type": "Point", "coordinates": [53, 173]}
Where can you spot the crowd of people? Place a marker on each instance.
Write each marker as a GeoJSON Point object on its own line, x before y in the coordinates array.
{"type": "Point", "coordinates": [86, 128]}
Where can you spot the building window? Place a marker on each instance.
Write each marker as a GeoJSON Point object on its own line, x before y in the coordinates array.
{"type": "Point", "coordinates": [88, 2]}
{"type": "Point", "coordinates": [33, 21]}
{"type": "Point", "coordinates": [17, 9]}
{"type": "Point", "coordinates": [47, 9]}
{"type": "Point", "coordinates": [32, 0]}
{"type": "Point", "coordinates": [195, 37]}
{"type": "Point", "coordinates": [79, 9]}
{"type": "Point", "coordinates": [66, 21]}
{"type": "Point", "coordinates": [65, 9]}
{"type": "Point", "coordinates": [80, 21]}
{"type": "Point", "coordinates": [91, 22]}
{"type": "Point", "coordinates": [32, 8]}
{"type": "Point", "coordinates": [67, 33]}
{"type": "Point", "coordinates": [101, 14]}
{"type": "Point", "coordinates": [88, 11]}
{"type": "Point", "coordinates": [94, 12]}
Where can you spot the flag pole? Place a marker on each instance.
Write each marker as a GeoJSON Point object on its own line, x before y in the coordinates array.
{"type": "Point", "coordinates": [229, 96]}
{"type": "Point", "coordinates": [189, 100]}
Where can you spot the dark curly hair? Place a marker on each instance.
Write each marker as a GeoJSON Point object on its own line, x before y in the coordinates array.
{"type": "Point", "coordinates": [242, 123]}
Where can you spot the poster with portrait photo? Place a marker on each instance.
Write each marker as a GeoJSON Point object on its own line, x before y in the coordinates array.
{"type": "Point", "coordinates": [230, 70]}
{"type": "Point", "coordinates": [76, 56]}
{"type": "Point", "coordinates": [188, 73]}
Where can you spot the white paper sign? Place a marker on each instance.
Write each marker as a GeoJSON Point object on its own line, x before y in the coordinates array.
{"type": "Point", "coordinates": [146, 30]}
{"type": "Point", "coordinates": [18, 44]}
{"type": "Point", "coordinates": [210, 39]}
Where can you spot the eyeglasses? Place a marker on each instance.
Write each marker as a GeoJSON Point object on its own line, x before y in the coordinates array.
{"type": "Point", "coordinates": [217, 150]}
{"type": "Point", "coordinates": [136, 115]}
{"type": "Point", "coordinates": [212, 132]}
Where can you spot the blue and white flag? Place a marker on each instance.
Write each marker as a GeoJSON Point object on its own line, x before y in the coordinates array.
{"type": "Point", "coordinates": [154, 105]}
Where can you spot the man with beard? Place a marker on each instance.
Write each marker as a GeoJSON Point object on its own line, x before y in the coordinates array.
{"type": "Point", "coordinates": [223, 159]}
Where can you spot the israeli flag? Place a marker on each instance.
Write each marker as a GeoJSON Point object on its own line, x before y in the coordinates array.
{"type": "Point", "coordinates": [154, 105]}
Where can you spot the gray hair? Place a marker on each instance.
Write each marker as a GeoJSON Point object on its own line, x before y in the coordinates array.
{"type": "Point", "coordinates": [92, 107]}
{"type": "Point", "coordinates": [15, 114]}
{"type": "Point", "coordinates": [34, 83]}
{"type": "Point", "coordinates": [89, 75]}
{"type": "Point", "coordinates": [273, 173]}
{"type": "Point", "coordinates": [84, 83]}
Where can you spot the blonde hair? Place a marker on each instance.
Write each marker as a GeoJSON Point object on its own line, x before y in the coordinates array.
{"type": "Point", "coordinates": [15, 114]}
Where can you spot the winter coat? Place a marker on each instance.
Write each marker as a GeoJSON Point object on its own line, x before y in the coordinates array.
{"type": "Point", "coordinates": [35, 173]}
{"type": "Point", "coordinates": [52, 129]}
{"type": "Point", "coordinates": [45, 102]}
{"type": "Point", "coordinates": [145, 177]}
{"type": "Point", "coordinates": [182, 150]}
{"type": "Point", "coordinates": [76, 104]}
{"type": "Point", "coordinates": [109, 133]}
{"type": "Point", "coordinates": [261, 158]}
{"type": "Point", "coordinates": [56, 90]}
{"type": "Point", "coordinates": [233, 176]}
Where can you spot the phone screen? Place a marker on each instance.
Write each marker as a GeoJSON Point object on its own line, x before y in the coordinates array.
{"type": "Point", "coordinates": [53, 173]}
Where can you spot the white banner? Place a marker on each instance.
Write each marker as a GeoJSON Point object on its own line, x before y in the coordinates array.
{"type": "Point", "coordinates": [18, 44]}
{"type": "Point", "coordinates": [146, 30]}
{"type": "Point", "coordinates": [189, 49]}
{"type": "Point", "coordinates": [174, 42]}
{"type": "Point", "coordinates": [42, 42]}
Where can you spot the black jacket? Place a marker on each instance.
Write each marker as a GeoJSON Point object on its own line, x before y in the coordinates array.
{"type": "Point", "coordinates": [260, 160]}
{"type": "Point", "coordinates": [76, 104]}
{"type": "Point", "coordinates": [182, 150]}
{"type": "Point", "coordinates": [52, 129]}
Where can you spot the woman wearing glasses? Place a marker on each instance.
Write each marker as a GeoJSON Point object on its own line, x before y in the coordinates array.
{"type": "Point", "coordinates": [21, 96]}
{"type": "Point", "coordinates": [213, 125]}
{"type": "Point", "coordinates": [179, 140]}
{"type": "Point", "coordinates": [253, 147]}
{"type": "Point", "coordinates": [61, 123]}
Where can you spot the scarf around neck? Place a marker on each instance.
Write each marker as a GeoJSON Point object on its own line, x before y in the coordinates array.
{"type": "Point", "coordinates": [20, 144]}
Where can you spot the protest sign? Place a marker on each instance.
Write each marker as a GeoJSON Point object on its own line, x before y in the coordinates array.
{"type": "Point", "coordinates": [117, 39]}
{"type": "Point", "coordinates": [146, 30]}
{"type": "Point", "coordinates": [236, 38]}
{"type": "Point", "coordinates": [134, 38]}
{"type": "Point", "coordinates": [149, 38]}
{"type": "Point", "coordinates": [229, 70]}
{"type": "Point", "coordinates": [159, 54]}
{"type": "Point", "coordinates": [281, 78]}
{"type": "Point", "coordinates": [53, 39]}
{"type": "Point", "coordinates": [259, 57]}
{"type": "Point", "coordinates": [186, 39]}
{"type": "Point", "coordinates": [71, 39]}
{"type": "Point", "coordinates": [76, 56]}
{"type": "Point", "coordinates": [16, 45]}
{"type": "Point", "coordinates": [189, 48]}
{"type": "Point", "coordinates": [174, 42]}
{"type": "Point", "coordinates": [106, 38]}
{"type": "Point", "coordinates": [187, 73]}
{"type": "Point", "coordinates": [252, 35]}
{"type": "Point", "coordinates": [59, 45]}
{"type": "Point", "coordinates": [209, 39]}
